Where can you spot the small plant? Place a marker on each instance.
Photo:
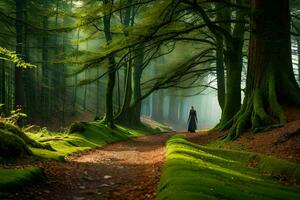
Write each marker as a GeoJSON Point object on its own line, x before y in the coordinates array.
{"type": "Point", "coordinates": [15, 117]}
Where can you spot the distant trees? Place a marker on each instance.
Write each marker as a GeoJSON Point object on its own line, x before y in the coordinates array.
{"type": "Point", "coordinates": [34, 30]}
{"type": "Point", "coordinates": [128, 39]}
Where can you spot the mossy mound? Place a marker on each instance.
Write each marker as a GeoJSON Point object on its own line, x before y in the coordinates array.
{"type": "Point", "coordinates": [18, 132]}
{"type": "Point", "coordinates": [193, 171]}
{"type": "Point", "coordinates": [77, 127]}
{"type": "Point", "coordinates": [13, 179]}
{"type": "Point", "coordinates": [12, 146]}
{"type": "Point", "coordinates": [81, 136]}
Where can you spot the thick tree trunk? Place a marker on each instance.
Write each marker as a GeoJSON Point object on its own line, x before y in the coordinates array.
{"type": "Point", "coordinates": [270, 78]}
{"type": "Point", "coordinates": [132, 106]}
{"type": "Point", "coordinates": [19, 83]}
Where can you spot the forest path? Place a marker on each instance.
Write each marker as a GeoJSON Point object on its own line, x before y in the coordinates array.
{"type": "Point", "coordinates": [123, 170]}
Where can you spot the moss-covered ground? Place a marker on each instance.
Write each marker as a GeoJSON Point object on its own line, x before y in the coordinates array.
{"type": "Point", "coordinates": [91, 136]}
{"type": "Point", "coordinates": [87, 136]}
{"type": "Point", "coordinates": [193, 172]}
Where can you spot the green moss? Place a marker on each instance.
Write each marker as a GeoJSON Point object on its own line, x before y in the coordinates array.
{"type": "Point", "coordinates": [12, 146]}
{"type": "Point", "coordinates": [199, 172]}
{"type": "Point", "coordinates": [12, 179]}
{"type": "Point", "coordinates": [89, 135]}
{"type": "Point", "coordinates": [77, 127]}
{"type": "Point", "coordinates": [18, 132]}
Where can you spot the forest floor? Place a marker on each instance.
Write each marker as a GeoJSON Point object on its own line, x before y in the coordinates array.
{"type": "Point", "coordinates": [131, 170]}
{"type": "Point", "coordinates": [282, 142]}
{"type": "Point", "coordinates": [123, 170]}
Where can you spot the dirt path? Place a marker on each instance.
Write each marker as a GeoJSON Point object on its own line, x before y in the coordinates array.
{"type": "Point", "coordinates": [124, 170]}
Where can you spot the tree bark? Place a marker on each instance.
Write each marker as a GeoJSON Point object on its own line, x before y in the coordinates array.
{"type": "Point", "coordinates": [222, 13]}
{"type": "Point", "coordinates": [234, 65]}
{"type": "Point", "coordinates": [109, 118]}
{"type": "Point", "coordinates": [270, 78]}
{"type": "Point", "coordinates": [220, 70]}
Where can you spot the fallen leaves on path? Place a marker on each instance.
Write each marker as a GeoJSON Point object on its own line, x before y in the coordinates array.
{"type": "Point", "coordinates": [128, 170]}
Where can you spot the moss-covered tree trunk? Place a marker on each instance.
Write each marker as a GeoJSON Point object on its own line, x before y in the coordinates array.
{"type": "Point", "coordinates": [132, 105]}
{"type": "Point", "coordinates": [270, 78]}
{"type": "Point", "coordinates": [109, 117]}
{"type": "Point", "coordinates": [234, 64]}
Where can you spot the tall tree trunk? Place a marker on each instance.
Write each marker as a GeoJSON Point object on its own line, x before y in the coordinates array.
{"type": "Point", "coordinates": [76, 77]}
{"type": "Point", "coordinates": [45, 98]}
{"type": "Point", "coordinates": [157, 105]}
{"type": "Point", "coordinates": [109, 118]}
{"type": "Point", "coordinates": [29, 74]}
{"type": "Point", "coordinates": [136, 105]}
{"type": "Point", "coordinates": [298, 49]}
{"type": "Point", "coordinates": [98, 87]}
{"type": "Point", "coordinates": [122, 116]}
{"type": "Point", "coordinates": [85, 86]}
{"type": "Point", "coordinates": [270, 78]}
{"type": "Point", "coordinates": [3, 87]}
{"type": "Point", "coordinates": [173, 110]}
{"type": "Point", "coordinates": [234, 65]}
{"type": "Point", "coordinates": [222, 13]}
{"type": "Point", "coordinates": [19, 83]}
{"type": "Point", "coordinates": [220, 70]}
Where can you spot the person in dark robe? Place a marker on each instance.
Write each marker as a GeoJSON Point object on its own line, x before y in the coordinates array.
{"type": "Point", "coordinates": [192, 120]}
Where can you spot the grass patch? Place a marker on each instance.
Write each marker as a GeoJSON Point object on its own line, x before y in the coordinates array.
{"type": "Point", "coordinates": [198, 172]}
{"type": "Point", "coordinates": [12, 179]}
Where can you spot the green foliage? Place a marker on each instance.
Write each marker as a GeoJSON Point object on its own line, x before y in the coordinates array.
{"type": "Point", "coordinates": [14, 117]}
{"type": "Point", "coordinates": [13, 57]}
{"type": "Point", "coordinates": [197, 172]}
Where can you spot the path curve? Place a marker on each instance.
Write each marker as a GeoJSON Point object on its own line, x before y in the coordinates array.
{"type": "Point", "coordinates": [127, 170]}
